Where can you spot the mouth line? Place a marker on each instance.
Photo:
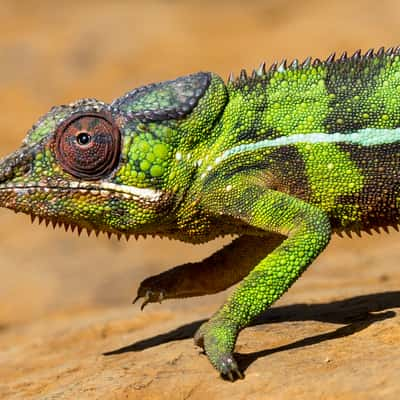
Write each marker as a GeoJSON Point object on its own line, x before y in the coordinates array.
{"type": "Point", "coordinates": [104, 189]}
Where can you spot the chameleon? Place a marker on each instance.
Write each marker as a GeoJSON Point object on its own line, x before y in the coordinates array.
{"type": "Point", "coordinates": [281, 159]}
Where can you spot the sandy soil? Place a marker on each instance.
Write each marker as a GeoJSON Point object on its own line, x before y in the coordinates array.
{"type": "Point", "coordinates": [67, 329]}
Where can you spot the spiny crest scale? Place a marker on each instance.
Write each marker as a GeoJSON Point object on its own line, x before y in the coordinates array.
{"type": "Point", "coordinates": [357, 58]}
{"type": "Point", "coordinates": [79, 229]}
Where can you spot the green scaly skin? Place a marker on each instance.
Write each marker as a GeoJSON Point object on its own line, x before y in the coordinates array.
{"type": "Point", "coordinates": [281, 159]}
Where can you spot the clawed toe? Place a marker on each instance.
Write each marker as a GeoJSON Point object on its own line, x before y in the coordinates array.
{"type": "Point", "coordinates": [229, 368]}
{"type": "Point", "coordinates": [148, 296]}
{"type": "Point", "coordinates": [217, 338]}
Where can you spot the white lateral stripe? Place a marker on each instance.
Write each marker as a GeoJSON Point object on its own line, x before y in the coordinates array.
{"type": "Point", "coordinates": [142, 193]}
{"type": "Point", "coordinates": [365, 137]}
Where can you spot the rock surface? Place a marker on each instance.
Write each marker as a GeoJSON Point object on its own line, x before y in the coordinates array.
{"type": "Point", "coordinates": [67, 329]}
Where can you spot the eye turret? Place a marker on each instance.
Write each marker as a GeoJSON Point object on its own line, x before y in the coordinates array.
{"type": "Point", "coordinates": [88, 145]}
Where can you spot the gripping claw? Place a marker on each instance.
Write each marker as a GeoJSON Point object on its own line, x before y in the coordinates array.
{"type": "Point", "coordinates": [231, 370]}
{"type": "Point", "coordinates": [146, 301]}
{"type": "Point", "coordinates": [149, 297]}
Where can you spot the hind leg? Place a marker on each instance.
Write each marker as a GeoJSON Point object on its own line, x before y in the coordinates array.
{"type": "Point", "coordinates": [216, 273]}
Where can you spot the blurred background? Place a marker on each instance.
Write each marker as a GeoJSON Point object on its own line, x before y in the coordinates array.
{"type": "Point", "coordinates": [55, 52]}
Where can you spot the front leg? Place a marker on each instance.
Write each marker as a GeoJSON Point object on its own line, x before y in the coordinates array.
{"type": "Point", "coordinates": [308, 231]}
{"type": "Point", "coordinates": [221, 270]}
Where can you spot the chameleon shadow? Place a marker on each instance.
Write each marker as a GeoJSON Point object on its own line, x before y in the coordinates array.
{"type": "Point", "coordinates": [245, 360]}
{"type": "Point", "coordinates": [354, 313]}
{"type": "Point", "coordinates": [183, 332]}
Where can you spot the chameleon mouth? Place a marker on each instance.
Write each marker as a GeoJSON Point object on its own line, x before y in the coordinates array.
{"type": "Point", "coordinates": [143, 196]}
{"type": "Point", "coordinates": [104, 189]}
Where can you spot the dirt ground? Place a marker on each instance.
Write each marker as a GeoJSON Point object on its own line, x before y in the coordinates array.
{"type": "Point", "coordinates": [67, 328]}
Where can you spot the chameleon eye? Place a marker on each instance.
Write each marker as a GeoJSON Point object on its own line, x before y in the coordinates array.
{"type": "Point", "coordinates": [88, 145]}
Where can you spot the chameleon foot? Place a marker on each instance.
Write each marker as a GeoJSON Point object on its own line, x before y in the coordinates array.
{"type": "Point", "coordinates": [218, 338]}
{"type": "Point", "coordinates": [149, 296]}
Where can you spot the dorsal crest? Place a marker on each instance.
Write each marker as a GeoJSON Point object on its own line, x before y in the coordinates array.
{"type": "Point", "coordinates": [357, 59]}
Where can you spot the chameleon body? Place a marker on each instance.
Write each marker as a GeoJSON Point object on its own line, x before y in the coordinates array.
{"type": "Point", "coordinates": [282, 159]}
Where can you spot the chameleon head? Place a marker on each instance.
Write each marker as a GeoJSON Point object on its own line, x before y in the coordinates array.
{"type": "Point", "coordinates": [107, 167]}
{"type": "Point", "coordinates": [66, 168]}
